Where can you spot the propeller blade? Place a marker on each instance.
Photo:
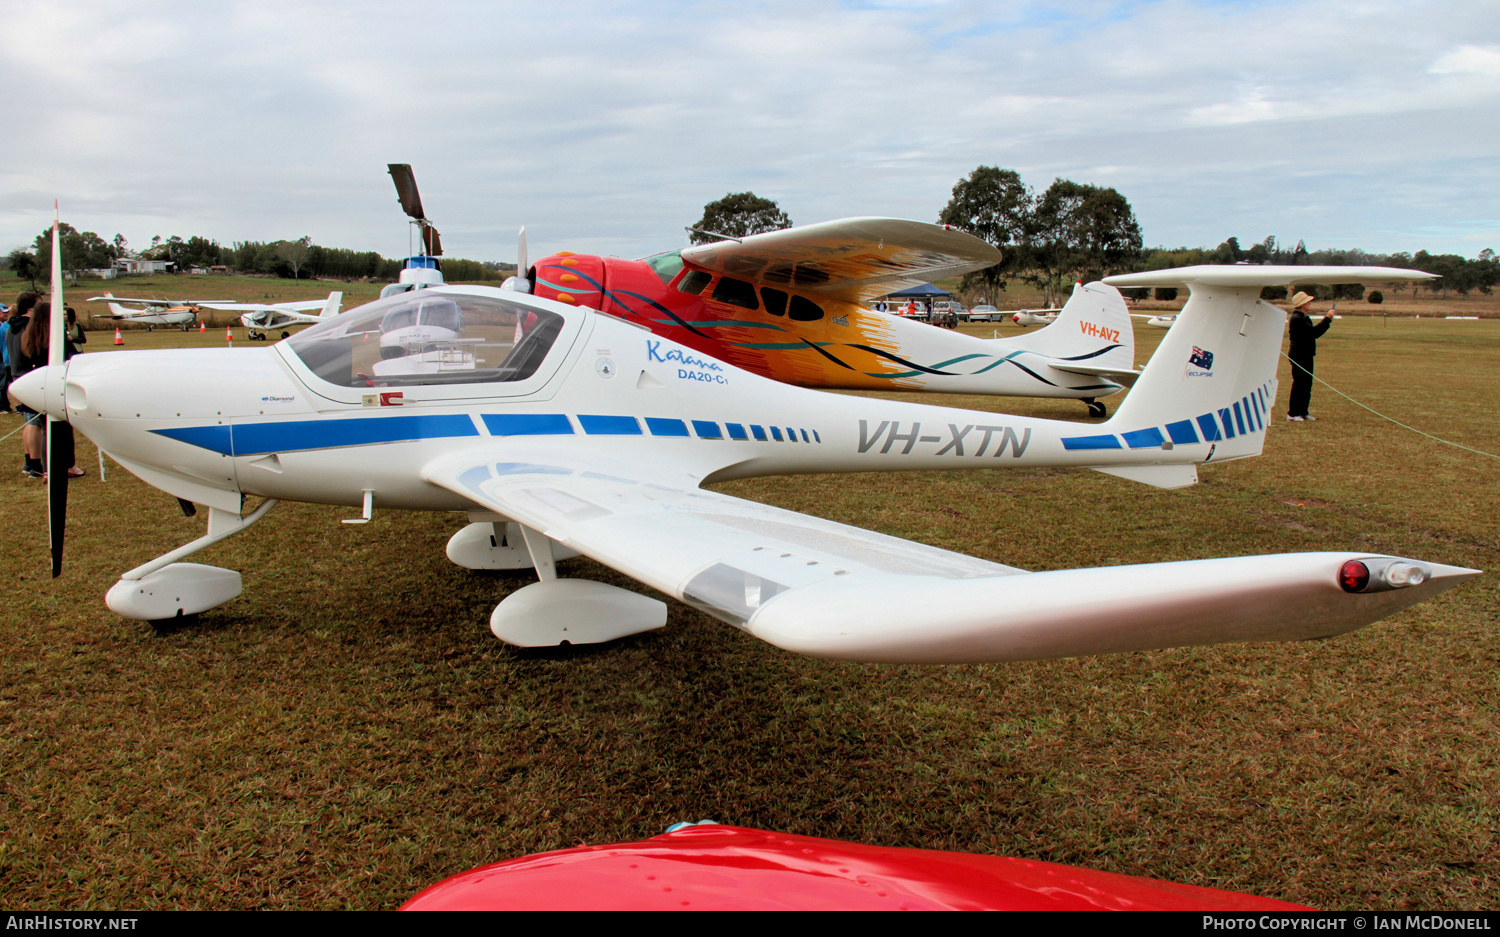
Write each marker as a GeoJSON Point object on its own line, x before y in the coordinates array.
{"type": "Point", "coordinates": [59, 460]}
{"type": "Point", "coordinates": [432, 243]}
{"type": "Point", "coordinates": [59, 433]}
{"type": "Point", "coordinates": [59, 314]}
{"type": "Point", "coordinates": [522, 264]}
{"type": "Point", "coordinates": [406, 189]}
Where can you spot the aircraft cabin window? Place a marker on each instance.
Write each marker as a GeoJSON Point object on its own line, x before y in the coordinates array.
{"type": "Point", "coordinates": [424, 337]}
{"type": "Point", "coordinates": [665, 265]}
{"type": "Point", "coordinates": [694, 282]}
{"type": "Point", "coordinates": [775, 301]}
{"type": "Point", "coordinates": [805, 310]}
{"type": "Point", "coordinates": [736, 293]}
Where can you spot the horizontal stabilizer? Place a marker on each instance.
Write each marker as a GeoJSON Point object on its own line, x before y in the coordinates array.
{"type": "Point", "coordinates": [1118, 375]}
{"type": "Point", "coordinates": [1235, 275]}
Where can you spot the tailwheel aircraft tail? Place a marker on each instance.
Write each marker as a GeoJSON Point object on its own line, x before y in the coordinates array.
{"type": "Point", "coordinates": [1091, 335]}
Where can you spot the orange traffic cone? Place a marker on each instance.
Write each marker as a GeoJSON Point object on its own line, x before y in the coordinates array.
{"type": "Point", "coordinates": [119, 340]}
{"type": "Point", "coordinates": [202, 327]}
{"type": "Point", "coordinates": [229, 333]}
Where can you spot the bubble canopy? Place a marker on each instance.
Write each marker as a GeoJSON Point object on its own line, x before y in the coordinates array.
{"type": "Point", "coordinates": [427, 337]}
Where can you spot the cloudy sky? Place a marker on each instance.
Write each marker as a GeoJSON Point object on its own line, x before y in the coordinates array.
{"type": "Point", "coordinates": [604, 127]}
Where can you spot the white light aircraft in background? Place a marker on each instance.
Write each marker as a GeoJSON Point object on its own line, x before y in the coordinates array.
{"type": "Point", "coordinates": [1162, 320]}
{"type": "Point", "coordinates": [559, 430]}
{"type": "Point", "coordinates": [262, 318]}
{"type": "Point", "coordinates": [182, 313]}
{"type": "Point", "coordinates": [1030, 317]}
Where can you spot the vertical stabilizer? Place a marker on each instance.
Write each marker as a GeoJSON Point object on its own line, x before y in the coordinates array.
{"type": "Point", "coordinates": [331, 308]}
{"type": "Point", "coordinates": [1213, 378]}
{"type": "Point", "coordinates": [1093, 329]}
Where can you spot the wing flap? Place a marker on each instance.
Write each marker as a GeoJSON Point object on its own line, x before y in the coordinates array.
{"type": "Point", "coordinates": [856, 259]}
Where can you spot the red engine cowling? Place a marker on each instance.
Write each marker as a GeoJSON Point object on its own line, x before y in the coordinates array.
{"type": "Point", "coordinates": [570, 278]}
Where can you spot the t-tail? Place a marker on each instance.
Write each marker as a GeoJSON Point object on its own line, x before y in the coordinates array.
{"type": "Point", "coordinates": [1213, 378]}
{"type": "Point", "coordinates": [331, 308]}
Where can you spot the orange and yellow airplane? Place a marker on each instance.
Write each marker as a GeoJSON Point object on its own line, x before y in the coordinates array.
{"type": "Point", "coordinates": [791, 305]}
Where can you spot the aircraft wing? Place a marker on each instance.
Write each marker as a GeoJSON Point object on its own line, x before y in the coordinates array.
{"type": "Point", "coordinates": [301, 306]}
{"type": "Point", "coordinates": [853, 258]}
{"type": "Point", "coordinates": [831, 590]}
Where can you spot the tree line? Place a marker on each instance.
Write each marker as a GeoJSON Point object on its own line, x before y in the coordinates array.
{"type": "Point", "coordinates": [1074, 231]}
{"type": "Point", "coordinates": [292, 260]}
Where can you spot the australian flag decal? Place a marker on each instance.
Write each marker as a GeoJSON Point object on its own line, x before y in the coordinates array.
{"type": "Point", "coordinates": [1201, 358]}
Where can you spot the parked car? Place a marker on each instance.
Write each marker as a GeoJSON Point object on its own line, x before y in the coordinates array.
{"type": "Point", "coordinates": [986, 313]}
{"type": "Point", "coordinates": [947, 313]}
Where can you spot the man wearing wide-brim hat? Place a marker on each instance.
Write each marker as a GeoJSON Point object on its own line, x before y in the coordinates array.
{"type": "Point", "coordinates": [1304, 349]}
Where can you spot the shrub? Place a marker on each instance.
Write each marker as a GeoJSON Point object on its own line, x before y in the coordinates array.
{"type": "Point", "coordinates": [1166, 293]}
{"type": "Point", "coordinates": [1375, 297]}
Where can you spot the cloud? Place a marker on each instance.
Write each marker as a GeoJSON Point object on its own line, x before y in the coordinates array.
{"type": "Point", "coordinates": [607, 126]}
{"type": "Point", "coordinates": [1469, 60]}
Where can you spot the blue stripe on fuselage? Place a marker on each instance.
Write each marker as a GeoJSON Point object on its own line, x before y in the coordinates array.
{"type": "Point", "coordinates": [260, 438]}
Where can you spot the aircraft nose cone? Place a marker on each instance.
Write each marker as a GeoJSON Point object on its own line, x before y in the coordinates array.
{"type": "Point", "coordinates": [31, 389]}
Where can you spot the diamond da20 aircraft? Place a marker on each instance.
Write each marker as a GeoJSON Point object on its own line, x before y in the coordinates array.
{"type": "Point", "coordinates": [559, 430]}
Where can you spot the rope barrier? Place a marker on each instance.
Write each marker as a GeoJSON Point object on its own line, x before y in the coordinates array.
{"type": "Point", "coordinates": [1384, 417]}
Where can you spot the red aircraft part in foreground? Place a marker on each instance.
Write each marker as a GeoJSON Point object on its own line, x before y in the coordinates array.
{"type": "Point", "coordinates": [709, 867]}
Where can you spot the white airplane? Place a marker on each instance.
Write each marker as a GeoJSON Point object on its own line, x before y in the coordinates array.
{"type": "Point", "coordinates": [1162, 321]}
{"type": "Point", "coordinates": [262, 318]}
{"type": "Point", "coordinates": [182, 313]}
{"type": "Point", "coordinates": [562, 431]}
{"type": "Point", "coordinates": [1029, 317]}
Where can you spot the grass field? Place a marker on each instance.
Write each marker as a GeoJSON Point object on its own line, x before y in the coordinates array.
{"type": "Point", "coordinates": [348, 731]}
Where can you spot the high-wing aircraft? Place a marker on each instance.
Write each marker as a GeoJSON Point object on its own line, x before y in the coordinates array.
{"type": "Point", "coordinates": [1029, 317]}
{"type": "Point", "coordinates": [559, 431]}
{"type": "Point", "coordinates": [1159, 320]}
{"type": "Point", "coordinates": [182, 313]}
{"type": "Point", "coordinates": [791, 305]}
{"type": "Point", "coordinates": [262, 318]}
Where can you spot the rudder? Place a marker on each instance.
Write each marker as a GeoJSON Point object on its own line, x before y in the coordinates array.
{"type": "Point", "coordinates": [1093, 329]}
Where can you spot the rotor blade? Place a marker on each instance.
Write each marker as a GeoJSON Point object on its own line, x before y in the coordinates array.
{"type": "Point", "coordinates": [521, 259]}
{"type": "Point", "coordinates": [406, 189]}
{"type": "Point", "coordinates": [432, 243]}
{"type": "Point", "coordinates": [59, 460]}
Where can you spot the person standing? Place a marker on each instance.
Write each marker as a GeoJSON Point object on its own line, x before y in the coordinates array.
{"type": "Point", "coordinates": [4, 359]}
{"type": "Point", "coordinates": [33, 353]}
{"type": "Point", "coordinates": [1304, 349]}
{"type": "Point", "coordinates": [30, 436]}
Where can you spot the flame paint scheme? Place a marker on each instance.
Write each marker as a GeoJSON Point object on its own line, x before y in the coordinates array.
{"type": "Point", "coordinates": [789, 305]}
